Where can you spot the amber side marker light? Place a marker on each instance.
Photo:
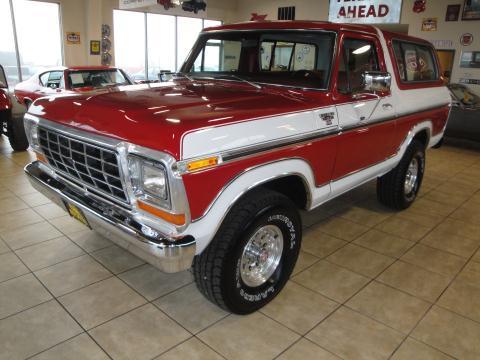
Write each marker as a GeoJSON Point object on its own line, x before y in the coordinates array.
{"type": "Point", "coordinates": [41, 157]}
{"type": "Point", "coordinates": [202, 163]}
{"type": "Point", "coordinates": [176, 219]}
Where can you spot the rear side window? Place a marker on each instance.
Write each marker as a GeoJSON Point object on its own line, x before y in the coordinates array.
{"type": "Point", "coordinates": [415, 62]}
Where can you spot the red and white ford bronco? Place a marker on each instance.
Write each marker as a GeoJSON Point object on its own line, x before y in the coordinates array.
{"type": "Point", "coordinates": [209, 171]}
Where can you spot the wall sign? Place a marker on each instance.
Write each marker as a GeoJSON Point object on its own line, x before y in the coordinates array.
{"type": "Point", "coordinates": [365, 12]}
{"type": "Point", "coordinates": [466, 39]}
{"type": "Point", "coordinates": [453, 12]}
{"type": "Point", "coordinates": [429, 24]}
{"type": "Point", "coordinates": [419, 6]}
{"type": "Point", "coordinates": [94, 47]}
{"type": "Point", "coordinates": [133, 4]}
{"type": "Point", "coordinates": [471, 10]}
{"type": "Point", "coordinates": [73, 38]}
{"type": "Point", "coordinates": [470, 59]}
{"type": "Point", "coordinates": [442, 44]}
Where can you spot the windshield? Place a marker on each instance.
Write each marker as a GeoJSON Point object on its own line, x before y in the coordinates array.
{"type": "Point", "coordinates": [465, 95]}
{"type": "Point", "coordinates": [3, 79]}
{"type": "Point", "coordinates": [290, 58]}
{"type": "Point", "coordinates": [96, 78]}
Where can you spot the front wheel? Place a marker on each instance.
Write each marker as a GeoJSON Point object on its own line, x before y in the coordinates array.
{"type": "Point", "coordinates": [398, 188]}
{"type": "Point", "coordinates": [253, 254]}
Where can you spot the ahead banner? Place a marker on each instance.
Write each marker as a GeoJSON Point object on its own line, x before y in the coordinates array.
{"type": "Point", "coordinates": [365, 11]}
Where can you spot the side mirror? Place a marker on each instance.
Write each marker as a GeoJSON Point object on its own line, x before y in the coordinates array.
{"type": "Point", "coordinates": [376, 81]}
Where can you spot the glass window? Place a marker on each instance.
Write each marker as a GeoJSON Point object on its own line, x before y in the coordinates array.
{"type": "Point", "coordinates": [8, 55]}
{"type": "Point", "coordinates": [38, 34]}
{"type": "Point", "coordinates": [96, 78]}
{"type": "Point", "coordinates": [160, 44]}
{"type": "Point", "coordinates": [52, 79]}
{"type": "Point", "coordinates": [415, 62]}
{"type": "Point", "coordinates": [283, 58]}
{"type": "Point", "coordinates": [187, 30]}
{"type": "Point", "coordinates": [129, 38]}
{"type": "Point", "coordinates": [358, 56]}
{"type": "Point", "coordinates": [219, 55]}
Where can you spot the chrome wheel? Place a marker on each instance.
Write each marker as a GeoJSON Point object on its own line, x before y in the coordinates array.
{"type": "Point", "coordinates": [261, 256]}
{"type": "Point", "coordinates": [411, 177]}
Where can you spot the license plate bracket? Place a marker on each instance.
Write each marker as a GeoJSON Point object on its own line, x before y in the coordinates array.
{"type": "Point", "coordinates": [75, 212]}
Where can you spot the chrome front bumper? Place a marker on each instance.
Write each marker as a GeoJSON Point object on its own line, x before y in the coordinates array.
{"type": "Point", "coordinates": [169, 255]}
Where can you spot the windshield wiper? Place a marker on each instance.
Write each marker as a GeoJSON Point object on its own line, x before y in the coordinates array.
{"type": "Point", "coordinates": [255, 85]}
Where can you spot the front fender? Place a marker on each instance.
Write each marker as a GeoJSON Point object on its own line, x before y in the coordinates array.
{"type": "Point", "coordinates": [205, 228]}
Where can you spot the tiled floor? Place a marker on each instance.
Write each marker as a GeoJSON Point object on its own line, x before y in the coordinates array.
{"type": "Point", "coordinates": [369, 284]}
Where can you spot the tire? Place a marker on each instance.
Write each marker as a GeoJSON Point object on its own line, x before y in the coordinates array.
{"type": "Point", "coordinates": [393, 190]}
{"type": "Point", "coordinates": [16, 134]}
{"type": "Point", "coordinates": [218, 269]}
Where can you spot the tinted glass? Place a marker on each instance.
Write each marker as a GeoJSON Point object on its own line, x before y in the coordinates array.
{"type": "Point", "coordinates": [358, 56]}
{"type": "Point", "coordinates": [415, 62]}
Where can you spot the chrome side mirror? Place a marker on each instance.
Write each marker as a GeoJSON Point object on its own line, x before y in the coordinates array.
{"type": "Point", "coordinates": [376, 81]}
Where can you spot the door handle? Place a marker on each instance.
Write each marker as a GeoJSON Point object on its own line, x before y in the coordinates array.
{"type": "Point", "coordinates": [387, 106]}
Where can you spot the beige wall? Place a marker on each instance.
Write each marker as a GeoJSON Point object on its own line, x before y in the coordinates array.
{"type": "Point", "coordinates": [318, 10]}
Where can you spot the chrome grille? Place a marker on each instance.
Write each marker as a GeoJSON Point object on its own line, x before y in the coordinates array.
{"type": "Point", "coordinates": [92, 166]}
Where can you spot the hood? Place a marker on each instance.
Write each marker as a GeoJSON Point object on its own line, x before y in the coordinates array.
{"type": "Point", "coordinates": [158, 115]}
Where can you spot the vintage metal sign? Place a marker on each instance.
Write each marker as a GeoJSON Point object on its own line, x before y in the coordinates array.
{"type": "Point", "coordinates": [132, 4]}
{"type": "Point", "coordinates": [365, 11]}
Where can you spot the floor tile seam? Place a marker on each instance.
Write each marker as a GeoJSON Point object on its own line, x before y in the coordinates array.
{"type": "Point", "coordinates": [54, 298]}
{"type": "Point", "coordinates": [42, 242]}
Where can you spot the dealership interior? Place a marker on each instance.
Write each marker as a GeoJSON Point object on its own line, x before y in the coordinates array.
{"type": "Point", "coordinates": [371, 281]}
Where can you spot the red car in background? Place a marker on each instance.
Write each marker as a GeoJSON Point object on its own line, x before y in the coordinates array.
{"type": "Point", "coordinates": [63, 80]}
{"type": "Point", "coordinates": [10, 126]}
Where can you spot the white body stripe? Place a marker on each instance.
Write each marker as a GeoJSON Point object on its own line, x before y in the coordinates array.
{"type": "Point", "coordinates": [254, 132]}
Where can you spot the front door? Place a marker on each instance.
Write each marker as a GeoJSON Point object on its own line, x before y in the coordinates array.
{"type": "Point", "coordinates": [366, 119]}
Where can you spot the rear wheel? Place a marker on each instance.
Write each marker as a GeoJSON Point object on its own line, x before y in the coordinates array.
{"type": "Point", "coordinates": [253, 254]}
{"type": "Point", "coordinates": [16, 134]}
{"type": "Point", "coordinates": [398, 188]}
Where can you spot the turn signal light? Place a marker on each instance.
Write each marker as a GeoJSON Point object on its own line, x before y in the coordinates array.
{"type": "Point", "coordinates": [176, 219]}
{"type": "Point", "coordinates": [202, 163]}
{"type": "Point", "coordinates": [41, 157]}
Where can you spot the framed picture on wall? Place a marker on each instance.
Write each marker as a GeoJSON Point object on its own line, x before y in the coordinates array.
{"type": "Point", "coordinates": [453, 12]}
{"type": "Point", "coordinates": [471, 10]}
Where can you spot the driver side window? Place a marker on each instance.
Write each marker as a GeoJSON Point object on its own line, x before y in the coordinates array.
{"type": "Point", "coordinates": [358, 56]}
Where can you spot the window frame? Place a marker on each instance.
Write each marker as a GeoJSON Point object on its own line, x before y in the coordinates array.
{"type": "Point", "coordinates": [189, 61]}
{"type": "Point", "coordinates": [379, 50]}
{"type": "Point", "coordinates": [402, 85]}
{"type": "Point", "coordinates": [417, 45]}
